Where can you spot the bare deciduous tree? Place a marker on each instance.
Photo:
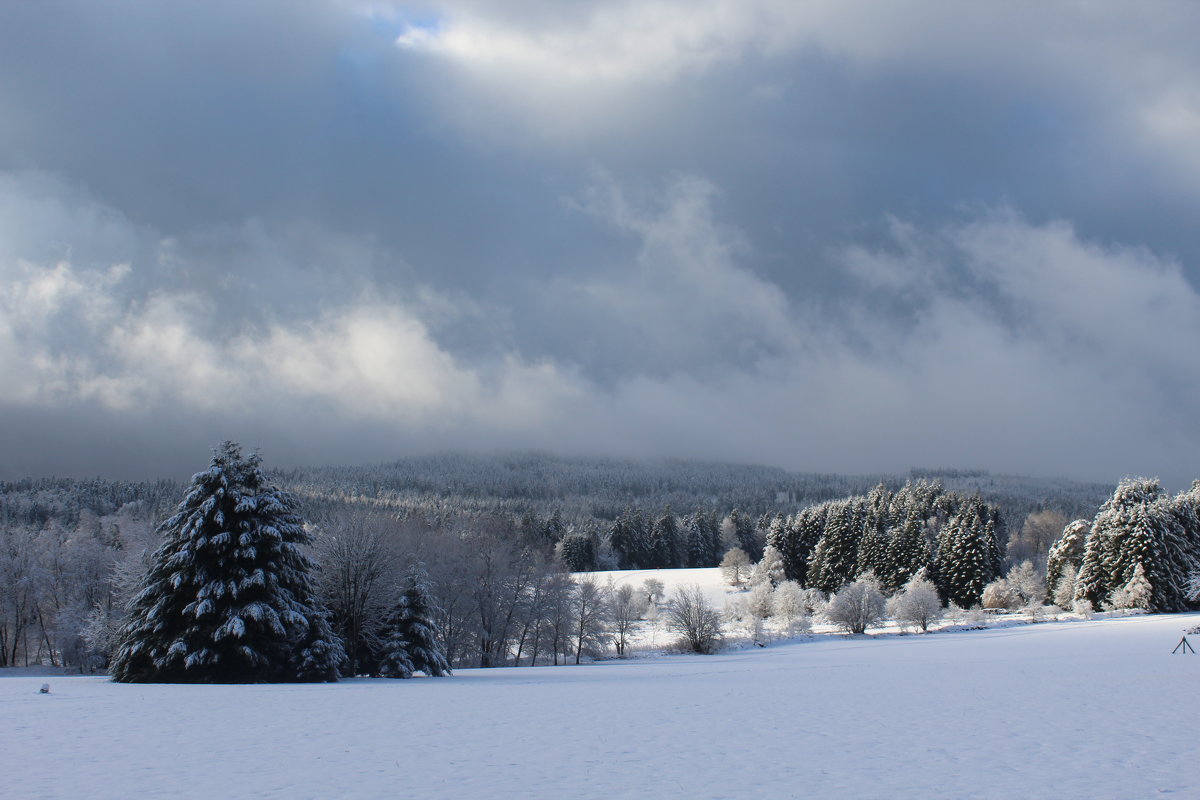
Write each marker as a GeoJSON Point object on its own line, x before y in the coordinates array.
{"type": "Point", "coordinates": [691, 616]}
{"type": "Point", "coordinates": [592, 617]}
{"type": "Point", "coordinates": [627, 609]}
{"type": "Point", "coordinates": [735, 566]}
{"type": "Point", "coordinates": [357, 579]}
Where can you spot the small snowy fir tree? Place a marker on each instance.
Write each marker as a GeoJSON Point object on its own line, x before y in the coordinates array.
{"type": "Point", "coordinates": [917, 605]}
{"type": "Point", "coordinates": [1137, 593]}
{"type": "Point", "coordinates": [1064, 592]}
{"type": "Point", "coordinates": [857, 606]}
{"type": "Point", "coordinates": [228, 597]}
{"type": "Point", "coordinates": [410, 641]}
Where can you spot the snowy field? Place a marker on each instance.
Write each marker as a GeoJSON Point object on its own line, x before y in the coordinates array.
{"type": "Point", "coordinates": [1097, 709]}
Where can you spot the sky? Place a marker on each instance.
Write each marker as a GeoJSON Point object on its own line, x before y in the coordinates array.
{"type": "Point", "coordinates": [828, 236]}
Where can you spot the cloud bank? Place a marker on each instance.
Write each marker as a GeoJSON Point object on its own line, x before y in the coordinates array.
{"type": "Point", "coordinates": [804, 235]}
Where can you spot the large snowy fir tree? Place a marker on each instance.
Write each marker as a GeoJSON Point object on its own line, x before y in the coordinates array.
{"type": "Point", "coordinates": [229, 596]}
{"type": "Point", "coordinates": [1142, 541]}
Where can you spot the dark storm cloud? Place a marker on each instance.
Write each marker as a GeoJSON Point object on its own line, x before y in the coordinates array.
{"type": "Point", "coordinates": [794, 233]}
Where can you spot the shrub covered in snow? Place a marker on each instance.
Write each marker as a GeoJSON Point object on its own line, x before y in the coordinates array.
{"type": "Point", "coordinates": [917, 605]}
{"type": "Point", "coordinates": [856, 606]}
{"type": "Point", "coordinates": [1000, 594]}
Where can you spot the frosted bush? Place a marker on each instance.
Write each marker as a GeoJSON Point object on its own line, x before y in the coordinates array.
{"type": "Point", "coordinates": [1000, 594]}
{"type": "Point", "coordinates": [1026, 582]}
{"type": "Point", "coordinates": [857, 606]}
{"type": "Point", "coordinates": [758, 601]}
{"type": "Point", "coordinates": [790, 608]}
{"type": "Point", "coordinates": [917, 605]}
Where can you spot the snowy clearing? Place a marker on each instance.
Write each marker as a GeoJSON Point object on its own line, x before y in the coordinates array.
{"type": "Point", "coordinates": [1097, 709]}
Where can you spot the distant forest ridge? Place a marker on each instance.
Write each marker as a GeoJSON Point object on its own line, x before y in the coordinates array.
{"type": "Point", "coordinates": [580, 489]}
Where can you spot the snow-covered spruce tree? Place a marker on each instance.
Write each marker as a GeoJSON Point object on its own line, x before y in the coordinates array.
{"type": "Point", "coordinates": [663, 548]}
{"type": "Point", "coordinates": [873, 548]}
{"type": "Point", "coordinates": [410, 641]}
{"type": "Point", "coordinates": [1064, 592]}
{"type": "Point", "coordinates": [1137, 593]}
{"type": "Point", "coordinates": [229, 597]}
{"type": "Point", "coordinates": [699, 546]}
{"type": "Point", "coordinates": [908, 552]}
{"type": "Point", "coordinates": [1136, 526]}
{"type": "Point", "coordinates": [1067, 551]}
{"type": "Point", "coordinates": [623, 543]}
{"type": "Point", "coordinates": [967, 557]}
{"type": "Point", "coordinates": [835, 558]}
{"type": "Point", "coordinates": [795, 537]}
{"type": "Point", "coordinates": [577, 551]}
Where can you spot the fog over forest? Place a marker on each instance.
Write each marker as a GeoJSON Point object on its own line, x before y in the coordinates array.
{"type": "Point", "coordinates": [759, 232]}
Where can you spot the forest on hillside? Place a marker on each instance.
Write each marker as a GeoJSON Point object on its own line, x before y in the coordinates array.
{"type": "Point", "coordinates": [71, 551]}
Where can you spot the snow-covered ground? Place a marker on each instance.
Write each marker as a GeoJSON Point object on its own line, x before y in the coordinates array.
{"type": "Point", "coordinates": [1082, 709]}
{"type": "Point", "coordinates": [716, 589]}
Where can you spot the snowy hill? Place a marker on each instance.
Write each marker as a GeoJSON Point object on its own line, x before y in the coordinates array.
{"type": "Point", "coordinates": [1097, 709]}
{"type": "Point", "coordinates": [716, 590]}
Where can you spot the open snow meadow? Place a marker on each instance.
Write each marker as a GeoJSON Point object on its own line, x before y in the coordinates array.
{"type": "Point", "coordinates": [1072, 709]}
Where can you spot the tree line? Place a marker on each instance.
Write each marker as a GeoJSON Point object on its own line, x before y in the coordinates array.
{"type": "Point", "coordinates": [71, 551]}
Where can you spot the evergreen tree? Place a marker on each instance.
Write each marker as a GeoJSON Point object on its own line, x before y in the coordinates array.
{"type": "Point", "coordinates": [1067, 551]}
{"type": "Point", "coordinates": [1136, 593]}
{"type": "Point", "coordinates": [410, 639]}
{"type": "Point", "coordinates": [873, 549]}
{"type": "Point", "coordinates": [745, 534]}
{"type": "Point", "coordinates": [577, 552]}
{"type": "Point", "coordinates": [967, 557]}
{"type": "Point", "coordinates": [639, 533]}
{"type": "Point", "coordinates": [703, 538]}
{"type": "Point", "coordinates": [808, 526]}
{"type": "Point", "coordinates": [228, 597]}
{"type": "Point", "coordinates": [1138, 525]}
{"type": "Point", "coordinates": [664, 542]}
{"type": "Point", "coordinates": [627, 539]}
{"type": "Point", "coordinates": [835, 557]}
{"type": "Point", "coordinates": [908, 553]}
{"type": "Point", "coordinates": [555, 529]}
